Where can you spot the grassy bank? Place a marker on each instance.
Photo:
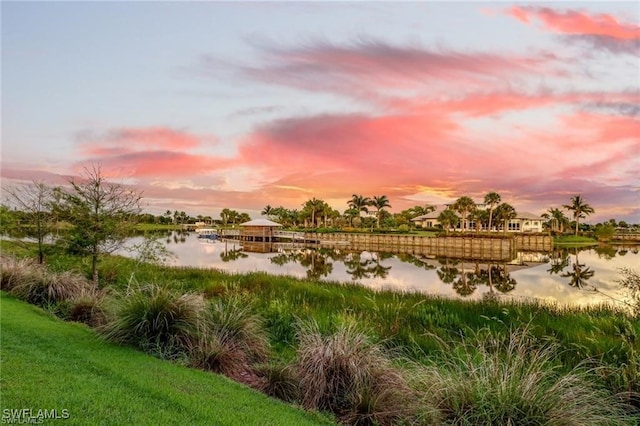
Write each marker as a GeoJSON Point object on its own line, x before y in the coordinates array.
{"type": "Point", "coordinates": [48, 364]}
{"type": "Point", "coordinates": [317, 326]}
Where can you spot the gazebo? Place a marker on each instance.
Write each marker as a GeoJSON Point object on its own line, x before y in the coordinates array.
{"type": "Point", "coordinates": [258, 230]}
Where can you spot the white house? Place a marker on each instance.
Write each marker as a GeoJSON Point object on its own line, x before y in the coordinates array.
{"type": "Point", "coordinates": [524, 222]}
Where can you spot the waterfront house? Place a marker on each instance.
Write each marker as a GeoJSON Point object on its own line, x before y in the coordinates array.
{"type": "Point", "coordinates": [524, 222]}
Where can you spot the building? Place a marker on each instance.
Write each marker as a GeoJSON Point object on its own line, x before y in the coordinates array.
{"type": "Point", "coordinates": [261, 230]}
{"type": "Point", "coordinates": [524, 222]}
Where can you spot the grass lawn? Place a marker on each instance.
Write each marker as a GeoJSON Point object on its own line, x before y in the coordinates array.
{"type": "Point", "coordinates": [574, 240]}
{"type": "Point", "coordinates": [49, 364]}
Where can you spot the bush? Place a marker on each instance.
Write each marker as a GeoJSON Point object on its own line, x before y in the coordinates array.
{"type": "Point", "coordinates": [19, 271]}
{"type": "Point", "coordinates": [230, 340]}
{"type": "Point", "coordinates": [279, 381]}
{"type": "Point", "coordinates": [88, 307]}
{"type": "Point", "coordinates": [155, 319]}
{"type": "Point", "coordinates": [489, 381]}
{"type": "Point", "coordinates": [43, 288]}
{"type": "Point", "coordinates": [348, 375]}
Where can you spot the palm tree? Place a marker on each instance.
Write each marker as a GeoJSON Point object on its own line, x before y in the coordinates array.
{"type": "Point", "coordinates": [492, 199]}
{"type": "Point", "coordinates": [448, 219]}
{"type": "Point", "coordinates": [506, 212]}
{"type": "Point", "coordinates": [267, 211]}
{"type": "Point", "coordinates": [464, 205]}
{"type": "Point", "coordinates": [579, 208]}
{"type": "Point", "coordinates": [557, 219]}
{"type": "Point", "coordinates": [379, 203]}
{"type": "Point", "coordinates": [359, 202]}
{"type": "Point", "coordinates": [350, 214]}
{"type": "Point", "coordinates": [480, 217]}
{"type": "Point", "coordinates": [314, 207]}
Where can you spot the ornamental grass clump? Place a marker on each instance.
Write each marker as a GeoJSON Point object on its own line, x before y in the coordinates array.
{"type": "Point", "coordinates": [88, 307]}
{"type": "Point", "coordinates": [515, 381]}
{"type": "Point", "coordinates": [156, 319]}
{"type": "Point", "coordinates": [45, 288]}
{"type": "Point", "coordinates": [279, 380]}
{"type": "Point", "coordinates": [230, 340]}
{"type": "Point", "coordinates": [347, 374]}
{"type": "Point", "coordinates": [22, 273]}
{"type": "Point", "coordinates": [15, 272]}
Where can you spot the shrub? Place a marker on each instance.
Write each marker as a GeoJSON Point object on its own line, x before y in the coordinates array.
{"type": "Point", "coordinates": [88, 307]}
{"type": "Point", "coordinates": [280, 321]}
{"type": "Point", "coordinates": [514, 381]}
{"type": "Point", "coordinates": [19, 271]}
{"type": "Point", "coordinates": [279, 381]}
{"type": "Point", "coordinates": [43, 288]}
{"type": "Point", "coordinates": [155, 319]}
{"type": "Point", "coordinates": [230, 340]}
{"type": "Point", "coordinates": [348, 375]}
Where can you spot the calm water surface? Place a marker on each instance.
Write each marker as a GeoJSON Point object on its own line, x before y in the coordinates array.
{"type": "Point", "coordinates": [566, 277]}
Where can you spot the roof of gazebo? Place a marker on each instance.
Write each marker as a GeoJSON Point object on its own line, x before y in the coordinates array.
{"type": "Point", "coordinates": [260, 222]}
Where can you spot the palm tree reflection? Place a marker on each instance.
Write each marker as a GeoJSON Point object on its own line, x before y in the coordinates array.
{"type": "Point", "coordinates": [579, 274]}
{"type": "Point", "coordinates": [465, 283]}
{"type": "Point", "coordinates": [559, 261]}
{"type": "Point", "coordinates": [233, 254]}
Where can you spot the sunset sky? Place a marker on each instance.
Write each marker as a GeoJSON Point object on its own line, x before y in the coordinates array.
{"type": "Point", "coordinates": [207, 105]}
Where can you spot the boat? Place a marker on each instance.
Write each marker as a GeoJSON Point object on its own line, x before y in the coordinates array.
{"type": "Point", "coordinates": [209, 233]}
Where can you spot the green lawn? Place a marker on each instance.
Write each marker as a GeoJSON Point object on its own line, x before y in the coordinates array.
{"type": "Point", "coordinates": [49, 364]}
{"type": "Point", "coordinates": [574, 240]}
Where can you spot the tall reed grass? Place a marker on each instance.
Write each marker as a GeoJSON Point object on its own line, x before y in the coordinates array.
{"type": "Point", "coordinates": [156, 319]}
{"type": "Point", "coordinates": [490, 379]}
{"type": "Point", "coordinates": [349, 375]}
{"type": "Point", "coordinates": [230, 340]}
{"type": "Point", "coordinates": [35, 284]}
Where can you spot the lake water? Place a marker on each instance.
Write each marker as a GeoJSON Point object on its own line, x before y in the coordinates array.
{"type": "Point", "coordinates": [566, 277]}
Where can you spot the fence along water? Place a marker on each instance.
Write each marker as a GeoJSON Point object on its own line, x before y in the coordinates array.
{"type": "Point", "coordinates": [461, 247]}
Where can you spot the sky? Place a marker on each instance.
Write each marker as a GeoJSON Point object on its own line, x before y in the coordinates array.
{"type": "Point", "coordinates": [209, 105]}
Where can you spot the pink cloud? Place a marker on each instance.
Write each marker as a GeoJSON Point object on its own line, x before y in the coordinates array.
{"type": "Point", "coordinates": [149, 152]}
{"type": "Point", "coordinates": [577, 22]}
{"type": "Point", "coordinates": [335, 156]}
{"type": "Point", "coordinates": [365, 68]}
{"type": "Point", "coordinates": [601, 30]}
{"type": "Point", "coordinates": [154, 163]}
{"type": "Point", "coordinates": [127, 140]}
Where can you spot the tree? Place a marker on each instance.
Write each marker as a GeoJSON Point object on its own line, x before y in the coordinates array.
{"type": "Point", "coordinates": [8, 220]}
{"type": "Point", "coordinates": [380, 203]}
{"type": "Point", "coordinates": [36, 200]}
{"type": "Point", "coordinates": [314, 208]}
{"type": "Point", "coordinates": [557, 220]}
{"type": "Point", "coordinates": [579, 208]}
{"type": "Point", "coordinates": [100, 214]}
{"type": "Point", "coordinates": [350, 214]}
{"type": "Point", "coordinates": [492, 199]}
{"type": "Point", "coordinates": [267, 211]}
{"type": "Point", "coordinates": [605, 232]}
{"type": "Point", "coordinates": [359, 202]}
{"type": "Point", "coordinates": [505, 212]}
{"type": "Point", "coordinates": [480, 217]}
{"type": "Point", "coordinates": [226, 216]}
{"type": "Point", "coordinates": [448, 219]}
{"type": "Point", "coordinates": [464, 205]}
